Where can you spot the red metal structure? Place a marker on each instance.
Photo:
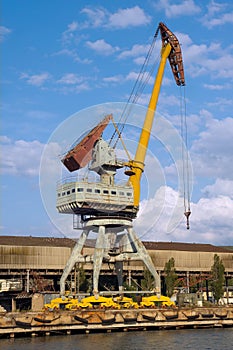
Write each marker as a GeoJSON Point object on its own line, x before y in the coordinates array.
{"type": "Point", "coordinates": [79, 156]}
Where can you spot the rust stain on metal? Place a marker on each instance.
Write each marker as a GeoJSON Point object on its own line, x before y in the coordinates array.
{"type": "Point", "coordinates": [175, 57]}
{"type": "Point", "coordinates": [81, 154]}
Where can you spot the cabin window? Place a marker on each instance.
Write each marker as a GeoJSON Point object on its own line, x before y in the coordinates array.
{"type": "Point", "coordinates": [113, 192]}
{"type": "Point", "coordinates": [89, 190]}
{"type": "Point", "coordinates": [129, 194]}
{"type": "Point", "coordinates": [73, 190]}
{"type": "Point", "coordinates": [68, 192]}
{"type": "Point", "coordinates": [121, 193]}
{"type": "Point", "coordinates": [79, 189]}
{"type": "Point", "coordinates": [105, 191]}
{"type": "Point", "coordinates": [97, 190]}
{"type": "Point", "coordinates": [63, 193]}
{"type": "Point", "coordinates": [59, 194]}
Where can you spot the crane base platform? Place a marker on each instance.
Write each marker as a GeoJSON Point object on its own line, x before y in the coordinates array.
{"type": "Point", "coordinates": [129, 248]}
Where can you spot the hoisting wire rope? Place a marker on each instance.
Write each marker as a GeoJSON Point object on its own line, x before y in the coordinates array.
{"type": "Point", "coordinates": [184, 154]}
{"type": "Point", "coordinates": [119, 136]}
{"type": "Point", "coordinates": [141, 81]}
{"type": "Point", "coordinates": [131, 103]}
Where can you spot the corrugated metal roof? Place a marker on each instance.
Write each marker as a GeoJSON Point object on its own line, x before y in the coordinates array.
{"type": "Point", "coordinates": [193, 247]}
{"type": "Point", "coordinates": [67, 242]}
{"type": "Point", "coordinates": [36, 241]}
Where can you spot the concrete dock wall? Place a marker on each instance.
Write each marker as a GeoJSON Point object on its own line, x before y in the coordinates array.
{"type": "Point", "coordinates": [68, 322]}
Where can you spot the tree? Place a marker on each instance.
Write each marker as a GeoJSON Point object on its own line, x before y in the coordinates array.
{"type": "Point", "coordinates": [217, 274]}
{"type": "Point", "coordinates": [82, 281]}
{"type": "Point", "coordinates": [148, 280]}
{"type": "Point", "coordinates": [170, 276]}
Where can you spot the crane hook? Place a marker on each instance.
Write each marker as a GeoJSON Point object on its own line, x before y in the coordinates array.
{"type": "Point", "coordinates": [187, 215]}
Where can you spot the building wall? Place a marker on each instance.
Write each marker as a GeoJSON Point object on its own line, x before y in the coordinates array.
{"type": "Point", "coordinates": [191, 261]}
{"type": "Point", "coordinates": [27, 257]}
{"type": "Point", "coordinates": [41, 257]}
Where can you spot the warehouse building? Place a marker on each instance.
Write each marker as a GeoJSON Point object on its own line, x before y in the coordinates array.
{"type": "Point", "coordinates": [38, 262]}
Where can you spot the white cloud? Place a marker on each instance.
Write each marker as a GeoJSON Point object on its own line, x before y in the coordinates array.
{"type": "Point", "coordinates": [72, 27]}
{"type": "Point", "coordinates": [184, 39]}
{"type": "Point", "coordinates": [102, 47]}
{"type": "Point", "coordinates": [4, 32]}
{"type": "Point", "coordinates": [96, 16]}
{"type": "Point", "coordinates": [211, 153]}
{"type": "Point", "coordinates": [222, 103]}
{"type": "Point", "coordinates": [122, 18]}
{"type": "Point", "coordinates": [68, 88]}
{"type": "Point", "coordinates": [199, 59]}
{"type": "Point", "coordinates": [156, 214]}
{"type": "Point", "coordinates": [52, 171]}
{"type": "Point", "coordinates": [134, 16]}
{"type": "Point", "coordinates": [214, 7]}
{"type": "Point", "coordinates": [136, 50]}
{"type": "Point", "coordinates": [4, 139]}
{"type": "Point", "coordinates": [222, 66]}
{"type": "Point", "coordinates": [218, 14]}
{"type": "Point", "coordinates": [68, 83]}
{"type": "Point", "coordinates": [70, 33]}
{"type": "Point", "coordinates": [20, 157]}
{"type": "Point", "coordinates": [132, 76]}
{"type": "Point", "coordinates": [209, 59]}
{"type": "Point", "coordinates": [184, 8]}
{"type": "Point", "coordinates": [139, 60]}
{"type": "Point", "coordinates": [224, 19]}
{"type": "Point", "coordinates": [73, 54]}
{"type": "Point", "coordinates": [82, 87]}
{"type": "Point", "coordinates": [217, 87]}
{"type": "Point", "coordinates": [50, 164]}
{"type": "Point", "coordinates": [211, 220]}
{"type": "Point", "coordinates": [221, 187]}
{"type": "Point", "coordinates": [36, 79]}
{"type": "Point", "coordinates": [113, 79]}
{"type": "Point", "coordinates": [70, 79]}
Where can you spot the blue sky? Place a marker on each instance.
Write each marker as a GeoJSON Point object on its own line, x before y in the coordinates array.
{"type": "Point", "coordinates": [65, 63]}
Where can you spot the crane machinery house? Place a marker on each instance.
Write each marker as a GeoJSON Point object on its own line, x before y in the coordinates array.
{"type": "Point", "coordinates": [100, 198]}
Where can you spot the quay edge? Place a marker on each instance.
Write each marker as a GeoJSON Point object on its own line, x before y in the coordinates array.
{"type": "Point", "coordinates": [15, 324]}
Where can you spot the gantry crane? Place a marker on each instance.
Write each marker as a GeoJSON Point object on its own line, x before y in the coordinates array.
{"type": "Point", "coordinates": [105, 207]}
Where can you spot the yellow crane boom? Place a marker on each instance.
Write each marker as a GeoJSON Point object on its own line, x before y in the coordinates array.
{"type": "Point", "coordinates": [170, 50]}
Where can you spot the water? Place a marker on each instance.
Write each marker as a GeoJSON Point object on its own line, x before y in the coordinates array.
{"type": "Point", "coordinates": [200, 339]}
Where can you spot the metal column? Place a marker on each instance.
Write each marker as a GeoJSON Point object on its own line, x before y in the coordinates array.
{"type": "Point", "coordinates": [74, 257]}
{"type": "Point", "coordinates": [98, 258]}
{"type": "Point", "coordinates": [145, 257]}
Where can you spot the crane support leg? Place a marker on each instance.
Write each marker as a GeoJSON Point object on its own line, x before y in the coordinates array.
{"type": "Point", "coordinates": [74, 257]}
{"type": "Point", "coordinates": [145, 257]}
{"type": "Point", "coordinates": [98, 258]}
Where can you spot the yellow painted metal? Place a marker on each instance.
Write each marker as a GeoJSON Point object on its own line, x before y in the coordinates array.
{"type": "Point", "coordinates": [156, 300]}
{"type": "Point", "coordinates": [137, 165]}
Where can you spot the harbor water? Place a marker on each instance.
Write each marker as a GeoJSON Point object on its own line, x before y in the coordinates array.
{"type": "Point", "coordinates": [204, 339]}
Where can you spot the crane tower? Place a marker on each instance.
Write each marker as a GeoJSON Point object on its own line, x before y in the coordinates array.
{"type": "Point", "coordinates": [105, 207]}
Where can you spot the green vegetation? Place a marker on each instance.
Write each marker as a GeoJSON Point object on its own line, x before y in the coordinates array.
{"type": "Point", "coordinates": [83, 283]}
{"type": "Point", "coordinates": [217, 274]}
{"type": "Point", "coordinates": [148, 280]}
{"type": "Point", "coordinates": [170, 276]}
